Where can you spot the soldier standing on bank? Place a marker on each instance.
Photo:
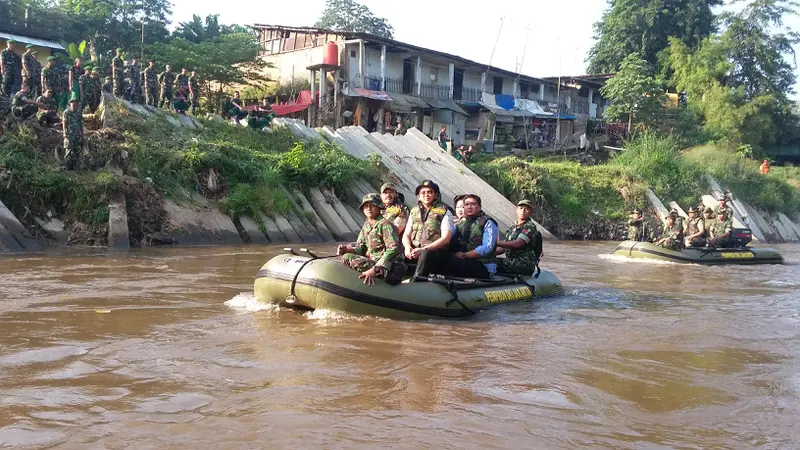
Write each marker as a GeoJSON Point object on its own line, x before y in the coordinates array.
{"type": "Point", "coordinates": [74, 75]}
{"type": "Point", "coordinates": [37, 75]}
{"type": "Point", "coordinates": [29, 67]}
{"type": "Point", "coordinates": [86, 83]}
{"type": "Point", "coordinates": [151, 84]}
{"type": "Point", "coordinates": [97, 91]}
{"type": "Point", "coordinates": [50, 79]}
{"type": "Point", "coordinates": [72, 124]}
{"type": "Point", "coordinates": [135, 76]}
{"type": "Point", "coordinates": [9, 67]}
{"type": "Point", "coordinates": [194, 91]}
{"type": "Point", "coordinates": [166, 79]}
{"type": "Point", "coordinates": [118, 74]}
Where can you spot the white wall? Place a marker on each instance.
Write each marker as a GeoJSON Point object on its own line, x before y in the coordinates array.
{"type": "Point", "coordinates": [442, 76]}
{"type": "Point", "coordinates": [299, 60]}
{"type": "Point", "coordinates": [472, 80]}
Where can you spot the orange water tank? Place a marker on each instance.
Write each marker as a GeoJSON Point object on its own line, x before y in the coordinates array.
{"type": "Point", "coordinates": [331, 54]}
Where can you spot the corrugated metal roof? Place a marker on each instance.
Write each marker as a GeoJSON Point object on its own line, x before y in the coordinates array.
{"type": "Point", "coordinates": [29, 40]}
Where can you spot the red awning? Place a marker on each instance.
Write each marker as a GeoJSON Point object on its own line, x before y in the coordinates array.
{"type": "Point", "coordinates": [282, 110]}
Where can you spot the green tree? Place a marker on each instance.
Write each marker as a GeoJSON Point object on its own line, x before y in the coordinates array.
{"type": "Point", "coordinates": [229, 60]}
{"type": "Point", "coordinates": [644, 26]}
{"type": "Point", "coordinates": [349, 15]}
{"type": "Point", "coordinates": [633, 92]}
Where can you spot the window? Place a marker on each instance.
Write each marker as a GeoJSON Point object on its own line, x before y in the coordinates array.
{"type": "Point", "coordinates": [498, 85]}
{"type": "Point", "coordinates": [286, 34]}
{"type": "Point", "coordinates": [434, 73]}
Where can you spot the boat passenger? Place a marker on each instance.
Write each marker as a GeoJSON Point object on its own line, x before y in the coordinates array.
{"type": "Point", "coordinates": [395, 210]}
{"type": "Point", "coordinates": [695, 230]}
{"type": "Point", "coordinates": [708, 219]}
{"type": "Point", "coordinates": [458, 213]}
{"type": "Point", "coordinates": [723, 205]}
{"type": "Point", "coordinates": [672, 236]}
{"type": "Point", "coordinates": [377, 253]}
{"type": "Point", "coordinates": [427, 238]}
{"type": "Point", "coordinates": [636, 226]}
{"type": "Point", "coordinates": [720, 232]}
{"type": "Point", "coordinates": [522, 244]}
{"type": "Point", "coordinates": [477, 235]}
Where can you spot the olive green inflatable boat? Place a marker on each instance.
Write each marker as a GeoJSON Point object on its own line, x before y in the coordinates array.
{"type": "Point", "coordinates": [310, 283]}
{"type": "Point", "coordinates": [707, 256]}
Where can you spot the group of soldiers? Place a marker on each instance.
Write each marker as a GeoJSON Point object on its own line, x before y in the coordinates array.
{"type": "Point", "coordinates": [434, 238]}
{"type": "Point", "coordinates": [44, 91]}
{"type": "Point", "coordinates": [713, 229]}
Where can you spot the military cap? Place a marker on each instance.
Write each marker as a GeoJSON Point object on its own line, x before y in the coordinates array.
{"type": "Point", "coordinates": [10, 41]}
{"type": "Point", "coordinates": [386, 186]}
{"type": "Point", "coordinates": [29, 46]}
{"type": "Point", "coordinates": [708, 210]}
{"type": "Point", "coordinates": [525, 202]}
{"type": "Point", "coordinates": [119, 49]}
{"type": "Point", "coordinates": [636, 211]}
{"type": "Point", "coordinates": [692, 209]}
{"type": "Point", "coordinates": [74, 98]}
{"type": "Point", "coordinates": [51, 58]}
{"type": "Point", "coordinates": [427, 184]}
{"type": "Point", "coordinates": [674, 213]}
{"type": "Point", "coordinates": [371, 198]}
{"type": "Point", "coordinates": [34, 52]}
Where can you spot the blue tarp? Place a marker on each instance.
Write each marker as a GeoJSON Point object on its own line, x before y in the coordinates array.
{"type": "Point", "coordinates": [504, 101]}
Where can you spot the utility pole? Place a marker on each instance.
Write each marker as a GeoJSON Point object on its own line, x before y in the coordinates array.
{"type": "Point", "coordinates": [558, 98]}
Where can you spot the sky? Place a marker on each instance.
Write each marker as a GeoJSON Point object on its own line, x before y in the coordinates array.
{"type": "Point", "coordinates": [547, 38]}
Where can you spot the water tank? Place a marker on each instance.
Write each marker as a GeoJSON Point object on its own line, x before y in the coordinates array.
{"type": "Point", "coordinates": [331, 54]}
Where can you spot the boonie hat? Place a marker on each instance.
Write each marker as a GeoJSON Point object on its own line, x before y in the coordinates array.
{"type": "Point", "coordinates": [427, 184]}
{"type": "Point", "coordinates": [636, 211]}
{"type": "Point", "coordinates": [371, 198]}
{"type": "Point", "coordinates": [708, 210]}
{"type": "Point", "coordinates": [386, 186]}
{"type": "Point", "coordinates": [525, 202]}
{"type": "Point", "coordinates": [674, 213]}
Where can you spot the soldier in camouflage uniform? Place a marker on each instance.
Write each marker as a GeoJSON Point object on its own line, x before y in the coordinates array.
{"type": "Point", "coordinates": [720, 233]}
{"type": "Point", "coordinates": [151, 84]}
{"type": "Point", "coordinates": [708, 220]}
{"type": "Point", "coordinates": [72, 125]}
{"type": "Point", "coordinates": [637, 226]}
{"type": "Point", "coordinates": [37, 75]}
{"type": "Point", "coordinates": [50, 78]}
{"type": "Point", "coordinates": [74, 78]}
{"type": "Point", "coordinates": [723, 205]}
{"type": "Point", "coordinates": [377, 253]}
{"type": "Point", "coordinates": [48, 111]}
{"type": "Point", "coordinates": [135, 75]}
{"type": "Point", "coordinates": [87, 89]}
{"type": "Point", "coordinates": [522, 245]}
{"type": "Point", "coordinates": [426, 238]}
{"type": "Point", "coordinates": [29, 68]}
{"type": "Point", "coordinates": [395, 211]}
{"type": "Point", "coordinates": [182, 80]}
{"type": "Point", "coordinates": [10, 66]}
{"type": "Point", "coordinates": [194, 91]}
{"type": "Point", "coordinates": [672, 236]}
{"type": "Point", "coordinates": [97, 91]}
{"type": "Point", "coordinates": [166, 79]}
{"type": "Point", "coordinates": [118, 74]}
{"type": "Point", "coordinates": [22, 106]}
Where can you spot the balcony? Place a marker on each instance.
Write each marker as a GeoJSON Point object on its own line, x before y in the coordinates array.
{"type": "Point", "coordinates": [466, 94]}
{"type": "Point", "coordinates": [435, 91]}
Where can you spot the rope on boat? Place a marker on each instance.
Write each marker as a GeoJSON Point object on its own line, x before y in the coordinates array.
{"type": "Point", "coordinates": [451, 288]}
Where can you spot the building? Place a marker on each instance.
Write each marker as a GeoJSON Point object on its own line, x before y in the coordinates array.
{"type": "Point", "coordinates": [383, 80]}
{"type": "Point", "coordinates": [42, 43]}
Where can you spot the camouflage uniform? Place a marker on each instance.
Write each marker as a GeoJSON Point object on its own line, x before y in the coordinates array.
{"type": "Point", "coordinates": [378, 246]}
{"type": "Point", "coordinates": [636, 229]}
{"type": "Point", "coordinates": [12, 66]}
{"type": "Point", "coordinates": [151, 86]}
{"type": "Point", "coordinates": [135, 76]}
{"type": "Point", "coordinates": [37, 77]}
{"type": "Point", "coordinates": [166, 79]}
{"type": "Point", "coordinates": [118, 74]}
{"type": "Point", "coordinates": [426, 231]}
{"type": "Point", "coordinates": [51, 81]}
{"type": "Point", "coordinates": [75, 89]}
{"type": "Point", "coordinates": [29, 69]}
{"type": "Point", "coordinates": [50, 116]}
{"type": "Point", "coordinates": [87, 87]}
{"type": "Point", "coordinates": [195, 95]}
{"type": "Point", "coordinates": [718, 228]}
{"type": "Point", "coordinates": [21, 110]}
{"type": "Point", "coordinates": [673, 236]}
{"type": "Point", "coordinates": [692, 227]}
{"type": "Point", "coordinates": [727, 208]}
{"type": "Point", "coordinates": [97, 92]}
{"type": "Point", "coordinates": [73, 137]}
{"type": "Point", "coordinates": [397, 214]}
{"type": "Point", "coordinates": [182, 81]}
{"type": "Point", "coordinates": [522, 260]}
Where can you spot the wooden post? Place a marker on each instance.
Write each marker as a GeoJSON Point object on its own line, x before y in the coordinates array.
{"type": "Point", "coordinates": [312, 109]}
{"type": "Point", "coordinates": [362, 65]}
{"type": "Point", "coordinates": [337, 99]}
{"type": "Point", "coordinates": [383, 67]}
{"type": "Point", "coordinates": [418, 76]}
{"type": "Point", "coordinates": [451, 72]}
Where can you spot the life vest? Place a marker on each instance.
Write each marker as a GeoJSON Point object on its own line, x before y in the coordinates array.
{"type": "Point", "coordinates": [469, 232]}
{"type": "Point", "coordinates": [692, 226]}
{"type": "Point", "coordinates": [426, 224]}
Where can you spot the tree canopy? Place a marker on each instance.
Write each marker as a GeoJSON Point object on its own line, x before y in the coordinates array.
{"type": "Point", "coordinates": [644, 27]}
{"type": "Point", "coordinates": [633, 92]}
{"type": "Point", "coordinates": [349, 15]}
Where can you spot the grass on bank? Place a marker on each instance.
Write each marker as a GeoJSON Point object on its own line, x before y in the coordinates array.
{"type": "Point", "coordinates": [254, 167]}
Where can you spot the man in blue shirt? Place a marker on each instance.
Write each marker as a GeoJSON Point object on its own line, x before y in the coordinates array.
{"type": "Point", "coordinates": [476, 234]}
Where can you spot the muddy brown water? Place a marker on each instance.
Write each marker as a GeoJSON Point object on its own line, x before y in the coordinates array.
{"type": "Point", "coordinates": [157, 349]}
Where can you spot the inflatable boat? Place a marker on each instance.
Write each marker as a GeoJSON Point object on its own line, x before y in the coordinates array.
{"type": "Point", "coordinates": [308, 283]}
{"type": "Point", "coordinates": [699, 255]}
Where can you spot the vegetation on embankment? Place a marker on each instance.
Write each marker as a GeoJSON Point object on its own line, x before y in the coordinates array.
{"type": "Point", "coordinates": [593, 201]}
{"type": "Point", "coordinates": [148, 160]}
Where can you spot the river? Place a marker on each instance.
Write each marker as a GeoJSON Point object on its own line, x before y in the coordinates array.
{"type": "Point", "coordinates": [167, 348]}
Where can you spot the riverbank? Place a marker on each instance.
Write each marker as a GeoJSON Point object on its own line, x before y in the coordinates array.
{"type": "Point", "coordinates": [578, 201]}
{"type": "Point", "coordinates": [152, 178]}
